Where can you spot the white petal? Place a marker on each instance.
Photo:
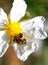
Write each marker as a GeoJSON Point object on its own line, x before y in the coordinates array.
{"type": "Point", "coordinates": [3, 18]}
{"type": "Point", "coordinates": [40, 34]}
{"type": "Point", "coordinates": [23, 51]}
{"type": "Point", "coordinates": [35, 27]}
{"type": "Point", "coordinates": [4, 40]}
{"type": "Point", "coordinates": [18, 10]}
{"type": "Point", "coordinates": [39, 26]}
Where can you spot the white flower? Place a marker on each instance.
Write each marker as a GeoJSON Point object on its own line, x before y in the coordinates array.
{"type": "Point", "coordinates": [10, 29]}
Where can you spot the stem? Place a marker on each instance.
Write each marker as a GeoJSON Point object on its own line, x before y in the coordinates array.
{"type": "Point", "coordinates": [10, 58]}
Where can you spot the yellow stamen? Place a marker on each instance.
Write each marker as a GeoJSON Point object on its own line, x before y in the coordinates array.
{"type": "Point", "coordinates": [13, 28]}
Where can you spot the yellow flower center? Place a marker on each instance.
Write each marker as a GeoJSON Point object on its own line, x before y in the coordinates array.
{"type": "Point", "coordinates": [13, 28]}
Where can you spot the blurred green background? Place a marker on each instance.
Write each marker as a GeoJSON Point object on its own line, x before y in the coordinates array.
{"type": "Point", "coordinates": [35, 8]}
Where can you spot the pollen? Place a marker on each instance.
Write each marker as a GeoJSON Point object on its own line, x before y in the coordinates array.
{"type": "Point", "coordinates": [13, 28]}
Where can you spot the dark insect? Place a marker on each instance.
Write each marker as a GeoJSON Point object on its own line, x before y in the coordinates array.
{"type": "Point", "coordinates": [19, 39]}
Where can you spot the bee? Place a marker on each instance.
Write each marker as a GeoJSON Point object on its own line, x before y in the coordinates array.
{"type": "Point", "coordinates": [19, 39]}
